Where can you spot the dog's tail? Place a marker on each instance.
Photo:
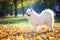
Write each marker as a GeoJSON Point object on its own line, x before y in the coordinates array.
{"type": "Point", "coordinates": [48, 11]}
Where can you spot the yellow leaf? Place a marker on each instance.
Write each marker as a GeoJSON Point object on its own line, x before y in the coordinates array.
{"type": "Point", "coordinates": [20, 38]}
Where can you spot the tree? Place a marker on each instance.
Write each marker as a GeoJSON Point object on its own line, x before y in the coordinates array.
{"type": "Point", "coordinates": [15, 3]}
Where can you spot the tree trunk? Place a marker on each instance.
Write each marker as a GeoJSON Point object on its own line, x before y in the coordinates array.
{"type": "Point", "coordinates": [4, 7]}
{"type": "Point", "coordinates": [22, 7]}
{"type": "Point", "coordinates": [15, 9]}
{"type": "Point", "coordinates": [15, 3]}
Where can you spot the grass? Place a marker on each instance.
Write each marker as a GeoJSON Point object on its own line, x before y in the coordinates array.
{"type": "Point", "coordinates": [57, 20]}
{"type": "Point", "coordinates": [13, 20]}
{"type": "Point", "coordinates": [19, 20]}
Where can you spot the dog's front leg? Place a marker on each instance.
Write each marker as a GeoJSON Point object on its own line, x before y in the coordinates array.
{"type": "Point", "coordinates": [35, 28]}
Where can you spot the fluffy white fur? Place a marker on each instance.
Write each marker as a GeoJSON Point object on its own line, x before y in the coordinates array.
{"type": "Point", "coordinates": [46, 17]}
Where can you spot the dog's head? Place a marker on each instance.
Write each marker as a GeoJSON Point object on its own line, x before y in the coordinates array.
{"type": "Point", "coordinates": [29, 12]}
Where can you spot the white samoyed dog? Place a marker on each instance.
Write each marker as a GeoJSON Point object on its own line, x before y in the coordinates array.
{"type": "Point", "coordinates": [46, 17]}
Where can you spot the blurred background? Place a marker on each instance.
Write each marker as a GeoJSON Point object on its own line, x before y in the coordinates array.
{"type": "Point", "coordinates": [13, 11]}
{"type": "Point", "coordinates": [15, 26]}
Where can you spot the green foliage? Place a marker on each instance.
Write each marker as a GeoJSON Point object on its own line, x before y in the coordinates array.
{"type": "Point", "coordinates": [1, 5]}
{"type": "Point", "coordinates": [25, 3]}
{"type": "Point", "coordinates": [48, 3]}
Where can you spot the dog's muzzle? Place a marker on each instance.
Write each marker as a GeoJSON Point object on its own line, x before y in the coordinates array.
{"type": "Point", "coordinates": [28, 14]}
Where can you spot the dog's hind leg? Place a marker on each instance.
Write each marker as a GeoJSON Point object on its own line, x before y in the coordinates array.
{"type": "Point", "coordinates": [50, 26]}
